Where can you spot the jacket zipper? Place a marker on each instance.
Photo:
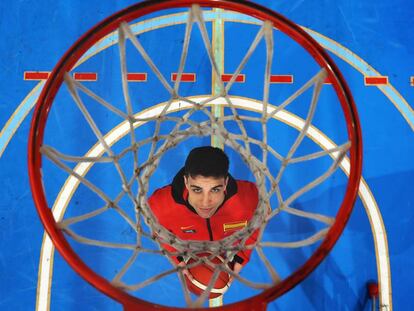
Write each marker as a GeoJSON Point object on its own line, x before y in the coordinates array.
{"type": "Point", "coordinates": [210, 232]}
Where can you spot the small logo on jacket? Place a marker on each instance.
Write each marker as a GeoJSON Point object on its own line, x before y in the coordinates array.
{"type": "Point", "coordinates": [188, 229]}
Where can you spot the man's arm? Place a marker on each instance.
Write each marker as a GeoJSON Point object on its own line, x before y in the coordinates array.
{"type": "Point", "coordinates": [158, 202]}
{"type": "Point", "coordinates": [250, 198]}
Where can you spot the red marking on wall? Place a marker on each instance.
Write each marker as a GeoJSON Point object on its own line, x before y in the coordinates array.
{"type": "Point", "coordinates": [185, 77]}
{"type": "Point", "coordinates": [281, 79]}
{"type": "Point", "coordinates": [227, 77]}
{"type": "Point", "coordinates": [137, 76]}
{"type": "Point", "coordinates": [85, 76]}
{"type": "Point", "coordinates": [377, 80]}
{"type": "Point", "coordinates": [36, 75]}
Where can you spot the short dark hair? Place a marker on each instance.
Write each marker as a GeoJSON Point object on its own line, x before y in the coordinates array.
{"type": "Point", "coordinates": [207, 161]}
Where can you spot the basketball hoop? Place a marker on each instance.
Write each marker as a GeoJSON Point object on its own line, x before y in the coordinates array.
{"type": "Point", "coordinates": [209, 126]}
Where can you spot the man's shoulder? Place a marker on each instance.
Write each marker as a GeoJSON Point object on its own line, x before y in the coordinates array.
{"type": "Point", "coordinates": [162, 190]}
{"type": "Point", "coordinates": [247, 192]}
{"type": "Point", "coordinates": [161, 194]}
{"type": "Point", "coordinates": [242, 204]}
{"type": "Point", "coordinates": [244, 186]}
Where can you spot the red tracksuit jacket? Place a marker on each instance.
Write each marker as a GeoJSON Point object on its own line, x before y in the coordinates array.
{"type": "Point", "coordinates": [169, 204]}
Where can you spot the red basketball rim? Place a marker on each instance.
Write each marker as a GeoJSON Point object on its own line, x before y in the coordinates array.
{"type": "Point", "coordinates": [112, 23]}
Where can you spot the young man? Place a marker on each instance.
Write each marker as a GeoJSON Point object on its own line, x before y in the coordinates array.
{"type": "Point", "coordinates": [204, 202]}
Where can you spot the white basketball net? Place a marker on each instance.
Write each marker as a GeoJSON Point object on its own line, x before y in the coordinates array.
{"type": "Point", "coordinates": [267, 182]}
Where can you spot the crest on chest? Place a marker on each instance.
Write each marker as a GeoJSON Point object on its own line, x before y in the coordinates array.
{"type": "Point", "coordinates": [234, 226]}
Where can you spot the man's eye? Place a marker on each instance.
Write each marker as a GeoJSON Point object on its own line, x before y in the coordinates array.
{"type": "Point", "coordinates": [215, 190]}
{"type": "Point", "coordinates": [197, 190]}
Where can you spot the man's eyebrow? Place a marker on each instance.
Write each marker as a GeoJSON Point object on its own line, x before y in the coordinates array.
{"type": "Point", "coordinates": [214, 187]}
{"type": "Point", "coordinates": [218, 186]}
{"type": "Point", "coordinates": [195, 186]}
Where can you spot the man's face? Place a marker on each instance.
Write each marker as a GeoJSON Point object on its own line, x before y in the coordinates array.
{"type": "Point", "coordinates": [205, 194]}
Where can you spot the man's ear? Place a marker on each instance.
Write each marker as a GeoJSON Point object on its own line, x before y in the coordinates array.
{"type": "Point", "coordinates": [226, 182]}
{"type": "Point", "coordinates": [186, 182]}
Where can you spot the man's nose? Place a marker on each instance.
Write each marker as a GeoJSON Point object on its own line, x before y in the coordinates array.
{"type": "Point", "coordinates": [206, 199]}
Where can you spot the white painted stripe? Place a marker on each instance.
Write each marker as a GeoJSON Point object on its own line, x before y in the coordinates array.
{"type": "Point", "coordinates": [18, 116]}
{"type": "Point", "coordinates": [213, 290]}
{"type": "Point", "coordinates": [215, 302]}
{"type": "Point", "coordinates": [46, 269]}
